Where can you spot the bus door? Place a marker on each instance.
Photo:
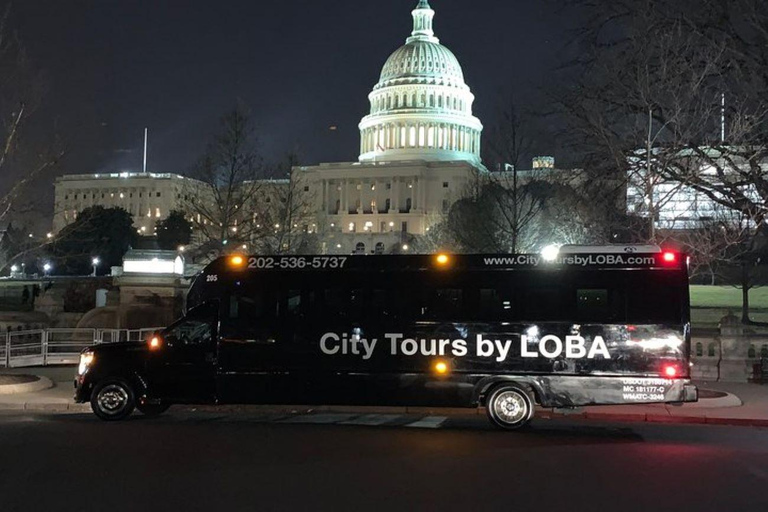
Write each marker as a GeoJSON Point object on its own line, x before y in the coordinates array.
{"type": "Point", "coordinates": [182, 369]}
{"type": "Point", "coordinates": [255, 363]}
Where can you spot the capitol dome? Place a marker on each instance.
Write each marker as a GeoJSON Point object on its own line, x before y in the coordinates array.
{"type": "Point", "coordinates": [421, 109]}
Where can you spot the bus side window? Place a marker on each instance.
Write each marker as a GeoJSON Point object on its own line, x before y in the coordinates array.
{"type": "Point", "coordinates": [445, 304]}
{"type": "Point", "coordinates": [248, 315]}
{"type": "Point", "coordinates": [591, 303]}
{"type": "Point", "coordinates": [289, 306]}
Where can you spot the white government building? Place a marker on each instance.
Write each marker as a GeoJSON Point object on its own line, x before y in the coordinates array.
{"type": "Point", "coordinates": [419, 149]}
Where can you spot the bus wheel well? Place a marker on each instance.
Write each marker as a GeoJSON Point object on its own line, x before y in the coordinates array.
{"type": "Point", "coordinates": [488, 388]}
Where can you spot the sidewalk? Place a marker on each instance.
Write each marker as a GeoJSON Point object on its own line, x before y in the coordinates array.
{"type": "Point", "coordinates": [744, 404]}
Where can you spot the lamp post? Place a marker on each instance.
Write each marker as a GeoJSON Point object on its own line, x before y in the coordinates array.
{"type": "Point", "coordinates": [95, 262]}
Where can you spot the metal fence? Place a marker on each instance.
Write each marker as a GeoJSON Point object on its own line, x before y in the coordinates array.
{"type": "Point", "coordinates": [41, 347]}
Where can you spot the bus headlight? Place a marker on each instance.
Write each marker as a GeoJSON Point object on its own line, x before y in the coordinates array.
{"type": "Point", "coordinates": [86, 360]}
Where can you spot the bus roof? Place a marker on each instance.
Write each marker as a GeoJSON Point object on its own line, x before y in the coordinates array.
{"type": "Point", "coordinates": [443, 261]}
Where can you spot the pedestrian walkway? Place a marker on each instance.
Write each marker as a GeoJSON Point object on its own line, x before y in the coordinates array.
{"type": "Point", "coordinates": [737, 404]}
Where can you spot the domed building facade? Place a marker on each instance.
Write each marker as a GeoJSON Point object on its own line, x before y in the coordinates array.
{"type": "Point", "coordinates": [419, 149]}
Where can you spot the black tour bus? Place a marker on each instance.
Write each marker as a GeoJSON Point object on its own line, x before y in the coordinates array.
{"type": "Point", "coordinates": [502, 331]}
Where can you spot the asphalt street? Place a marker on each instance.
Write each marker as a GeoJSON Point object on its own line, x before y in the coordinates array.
{"type": "Point", "coordinates": [207, 461]}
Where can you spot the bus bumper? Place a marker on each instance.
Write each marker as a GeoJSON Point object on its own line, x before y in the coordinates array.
{"type": "Point", "coordinates": [690, 393]}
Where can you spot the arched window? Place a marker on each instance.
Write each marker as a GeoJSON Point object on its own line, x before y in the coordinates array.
{"type": "Point", "coordinates": [711, 350]}
{"type": "Point", "coordinates": [699, 349]}
{"type": "Point", "coordinates": [389, 102]}
{"type": "Point", "coordinates": [360, 248]}
{"type": "Point", "coordinates": [440, 101]}
{"type": "Point", "coordinates": [379, 249]}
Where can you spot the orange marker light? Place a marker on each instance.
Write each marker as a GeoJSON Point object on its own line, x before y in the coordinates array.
{"type": "Point", "coordinates": [154, 343]}
{"type": "Point", "coordinates": [237, 260]}
{"type": "Point", "coordinates": [442, 259]}
{"type": "Point", "coordinates": [441, 368]}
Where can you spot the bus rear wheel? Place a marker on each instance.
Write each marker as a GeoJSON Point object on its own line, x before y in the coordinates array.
{"type": "Point", "coordinates": [509, 406]}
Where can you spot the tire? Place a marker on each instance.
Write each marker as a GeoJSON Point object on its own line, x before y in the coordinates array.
{"type": "Point", "coordinates": [113, 400]}
{"type": "Point", "coordinates": [152, 410]}
{"type": "Point", "coordinates": [509, 407]}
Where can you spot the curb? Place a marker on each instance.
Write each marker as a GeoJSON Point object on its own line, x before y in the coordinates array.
{"type": "Point", "coordinates": [653, 418]}
{"type": "Point", "coordinates": [27, 387]}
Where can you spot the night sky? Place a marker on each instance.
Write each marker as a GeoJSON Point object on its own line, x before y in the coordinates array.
{"type": "Point", "coordinates": [116, 66]}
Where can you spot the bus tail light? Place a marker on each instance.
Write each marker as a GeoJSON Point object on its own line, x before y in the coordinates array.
{"type": "Point", "coordinates": [670, 371]}
{"type": "Point", "coordinates": [669, 257]}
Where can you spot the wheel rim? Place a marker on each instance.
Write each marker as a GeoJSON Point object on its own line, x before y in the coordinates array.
{"type": "Point", "coordinates": [112, 399]}
{"type": "Point", "coordinates": [510, 407]}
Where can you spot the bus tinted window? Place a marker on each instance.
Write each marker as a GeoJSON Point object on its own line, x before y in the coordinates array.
{"type": "Point", "coordinates": [580, 296]}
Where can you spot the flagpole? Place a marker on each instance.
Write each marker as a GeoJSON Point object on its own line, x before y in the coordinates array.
{"type": "Point", "coordinates": [145, 150]}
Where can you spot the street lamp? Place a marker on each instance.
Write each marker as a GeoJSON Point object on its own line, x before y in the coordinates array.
{"type": "Point", "coordinates": [95, 262]}
{"type": "Point", "coordinates": [47, 268]}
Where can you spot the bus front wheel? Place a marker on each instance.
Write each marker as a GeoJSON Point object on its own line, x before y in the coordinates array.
{"type": "Point", "coordinates": [113, 400]}
{"type": "Point", "coordinates": [509, 406]}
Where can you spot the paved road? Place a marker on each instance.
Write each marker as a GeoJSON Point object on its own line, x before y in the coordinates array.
{"type": "Point", "coordinates": [188, 461]}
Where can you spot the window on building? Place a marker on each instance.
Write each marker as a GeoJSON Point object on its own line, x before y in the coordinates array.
{"type": "Point", "coordinates": [379, 249]}
{"type": "Point", "coordinates": [404, 227]}
{"type": "Point", "coordinates": [306, 189]}
{"type": "Point", "coordinates": [158, 194]}
{"type": "Point", "coordinates": [445, 184]}
{"type": "Point", "coordinates": [360, 248]}
{"type": "Point", "coordinates": [66, 196]}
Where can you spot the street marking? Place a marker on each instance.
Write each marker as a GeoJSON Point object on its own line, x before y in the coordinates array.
{"type": "Point", "coordinates": [323, 419]}
{"type": "Point", "coordinates": [371, 419]}
{"type": "Point", "coordinates": [428, 422]}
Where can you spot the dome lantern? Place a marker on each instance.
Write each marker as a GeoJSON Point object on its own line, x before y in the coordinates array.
{"type": "Point", "coordinates": [422, 24]}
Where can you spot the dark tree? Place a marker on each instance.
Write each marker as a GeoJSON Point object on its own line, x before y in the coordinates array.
{"type": "Point", "coordinates": [228, 178]}
{"type": "Point", "coordinates": [174, 231]}
{"type": "Point", "coordinates": [670, 96]}
{"type": "Point", "coordinates": [106, 233]}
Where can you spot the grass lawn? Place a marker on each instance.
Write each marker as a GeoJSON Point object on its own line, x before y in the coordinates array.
{"type": "Point", "coordinates": [710, 303]}
{"type": "Point", "coordinates": [703, 296]}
